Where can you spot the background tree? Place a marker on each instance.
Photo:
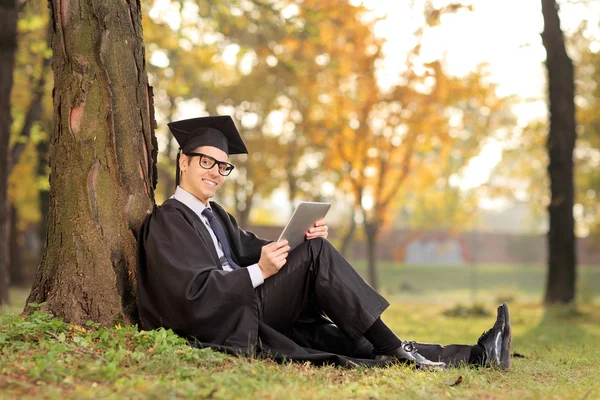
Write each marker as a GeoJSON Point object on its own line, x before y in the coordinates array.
{"type": "Point", "coordinates": [587, 150]}
{"type": "Point", "coordinates": [560, 284]}
{"type": "Point", "coordinates": [412, 133]}
{"type": "Point", "coordinates": [31, 107]}
{"type": "Point", "coordinates": [8, 46]}
{"type": "Point", "coordinates": [102, 162]}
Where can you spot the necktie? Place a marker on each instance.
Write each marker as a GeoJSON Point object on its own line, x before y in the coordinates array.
{"type": "Point", "coordinates": [221, 237]}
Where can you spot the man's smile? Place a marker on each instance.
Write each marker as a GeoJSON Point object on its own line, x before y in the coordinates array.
{"type": "Point", "coordinates": [209, 182]}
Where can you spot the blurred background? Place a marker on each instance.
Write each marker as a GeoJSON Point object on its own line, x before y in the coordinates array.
{"type": "Point", "coordinates": [423, 122]}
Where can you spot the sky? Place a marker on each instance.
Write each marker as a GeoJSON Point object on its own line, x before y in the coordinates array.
{"type": "Point", "coordinates": [505, 34]}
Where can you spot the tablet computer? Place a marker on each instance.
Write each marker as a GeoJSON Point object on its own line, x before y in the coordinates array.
{"type": "Point", "coordinates": [303, 218]}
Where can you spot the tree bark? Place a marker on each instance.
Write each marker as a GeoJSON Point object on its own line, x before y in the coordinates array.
{"type": "Point", "coordinates": [8, 47]}
{"type": "Point", "coordinates": [560, 284]}
{"type": "Point", "coordinates": [42, 149]}
{"type": "Point", "coordinates": [102, 162]}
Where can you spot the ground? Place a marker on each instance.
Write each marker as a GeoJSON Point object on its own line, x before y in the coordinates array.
{"type": "Point", "coordinates": [557, 350]}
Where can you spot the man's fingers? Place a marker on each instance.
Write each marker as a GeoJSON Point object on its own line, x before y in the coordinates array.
{"type": "Point", "coordinates": [278, 257]}
{"type": "Point", "coordinates": [274, 246]}
{"type": "Point", "coordinates": [318, 229]}
{"type": "Point", "coordinates": [281, 260]}
{"type": "Point", "coordinates": [280, 244]}
{"type": "Point", "coordinates": [281, 250]}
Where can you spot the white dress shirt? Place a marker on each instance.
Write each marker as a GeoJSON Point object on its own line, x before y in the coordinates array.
{"type": "Point", "coordinates": [197, 206]}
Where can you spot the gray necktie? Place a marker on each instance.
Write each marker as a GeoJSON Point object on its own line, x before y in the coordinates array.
{"type": "Point", "coordinates": [221, 236]}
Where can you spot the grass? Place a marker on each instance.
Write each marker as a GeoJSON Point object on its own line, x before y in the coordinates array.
{"type": "Point", "coordinates": [42, 357]}
{"type": "Point", "coordinates": [475, 283]}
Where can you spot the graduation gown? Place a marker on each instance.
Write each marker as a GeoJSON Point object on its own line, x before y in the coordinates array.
{"type": "Point", "coordinates": [182, 286]}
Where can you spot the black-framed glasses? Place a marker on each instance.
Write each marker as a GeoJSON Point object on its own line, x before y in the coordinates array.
{"type": "Point", "coordinates": [207, 162]}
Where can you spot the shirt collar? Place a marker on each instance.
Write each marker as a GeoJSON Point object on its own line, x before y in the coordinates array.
{"type": "Point", "coordinates": [189, 200]}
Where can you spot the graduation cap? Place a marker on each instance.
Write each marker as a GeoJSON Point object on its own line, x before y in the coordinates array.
{"type": "Point", "coordinates": [219, 132]}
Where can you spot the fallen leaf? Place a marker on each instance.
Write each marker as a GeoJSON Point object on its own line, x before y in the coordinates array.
{"type": "Point", "coordinates": [456, 382]}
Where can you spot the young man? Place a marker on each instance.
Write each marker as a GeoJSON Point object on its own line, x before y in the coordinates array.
{"type": "Point", "coordinates": [214, 283]}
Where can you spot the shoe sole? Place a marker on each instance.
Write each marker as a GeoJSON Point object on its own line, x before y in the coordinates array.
{"type": "Point", "coordinates": [505, 361]}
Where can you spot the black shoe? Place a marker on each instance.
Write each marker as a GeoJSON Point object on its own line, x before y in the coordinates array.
{"type": "Point", "coordinates": [497, 340]}
{"type": "Point", "coordinates": [407, 354]}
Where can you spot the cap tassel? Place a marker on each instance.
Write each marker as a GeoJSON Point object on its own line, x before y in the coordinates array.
{"type": "Point", "coordinates": [177, 171]}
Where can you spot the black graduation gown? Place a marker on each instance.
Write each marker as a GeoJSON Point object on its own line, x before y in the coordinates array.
{"type": "Point", "coordinates": [182, 286]}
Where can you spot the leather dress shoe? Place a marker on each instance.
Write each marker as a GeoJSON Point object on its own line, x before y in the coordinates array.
{"type": "Point", "coordinates": [497, 340]}
{"type": "Point", "coordinates": [407, 354]}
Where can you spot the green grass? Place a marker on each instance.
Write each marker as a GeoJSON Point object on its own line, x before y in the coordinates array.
{"type": "Point", "coordinates": [42, 357]}
{"type": "Point", "coordinates": [477, 282]}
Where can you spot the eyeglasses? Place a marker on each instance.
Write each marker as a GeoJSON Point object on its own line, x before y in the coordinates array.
{"type": "Point", "coordinates": [207, 162]}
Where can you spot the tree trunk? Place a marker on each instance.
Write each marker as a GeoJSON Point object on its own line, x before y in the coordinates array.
{"type": "Point", "coordinates": [560, 284]}
{"type": "Point", "coordinates": [371, 232]}
{"type": "Point", "coordinates": [291, 178]}
{"type": "Point", "coordinates": [348, 236]}
{"type": "Point", "coordinates": [8, 47]}
{"type": "Point", "coordinates": [15, 269]}
{"type": "Point", "coordinates": [244, 215]}
{"type": "Point", "coordinates": [102, 162]}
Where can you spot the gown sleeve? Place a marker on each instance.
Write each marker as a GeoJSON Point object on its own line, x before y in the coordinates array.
{"type": "Point", "coordinates": [181, 287]}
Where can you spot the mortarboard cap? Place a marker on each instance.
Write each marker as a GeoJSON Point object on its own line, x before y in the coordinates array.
{"type": "Point", "coordinates": [218, 131]}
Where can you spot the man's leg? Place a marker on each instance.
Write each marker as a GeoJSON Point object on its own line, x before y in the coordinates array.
{"type": "Point", "coordinates": [452, 355]}
{"type": "Point", "coordinates": [492, 348]}
{"type": "Point", "coordinates": [316, 272]}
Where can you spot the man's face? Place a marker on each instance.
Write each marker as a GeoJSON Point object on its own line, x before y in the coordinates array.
{"type": "Point", "coordinates": [202, 183]}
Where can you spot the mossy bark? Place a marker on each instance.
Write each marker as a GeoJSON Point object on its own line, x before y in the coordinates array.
{"type": "Point", "coordinates": [102, 161]}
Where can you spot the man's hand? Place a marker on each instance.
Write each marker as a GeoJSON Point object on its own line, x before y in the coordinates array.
{"type": "Point", "coordinates": [272, 257]}
{"type": "Point", "coordinates": [320, 229]}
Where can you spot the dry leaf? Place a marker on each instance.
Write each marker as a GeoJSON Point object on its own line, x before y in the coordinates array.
{"type": "Point", "coordinates": [456, 383]}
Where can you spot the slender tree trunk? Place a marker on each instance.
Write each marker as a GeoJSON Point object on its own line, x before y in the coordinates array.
{"type": "Point", "coordinates": [8, 47]}
{"type": "Point", "coordinates": [102, 161]}
{"type": "Point", "coordinates": [348, 237]}
{"type": "Point", "coordinates": [34, 111]}
{"type": "Point", "coordinates": [291, 178]}
{"type": "Point", "coordinates": [560, 284]}
{"type": "Point", "coordinates": [17, 278]}
{"type": "Point", "coordinates": [36, 106]}
{"type": "Point", "coordinates": [372, 231]}
{"type": "Point", "coordinates": [244, 215]}
{"type": "Point", "coordinates": [244, 196]}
